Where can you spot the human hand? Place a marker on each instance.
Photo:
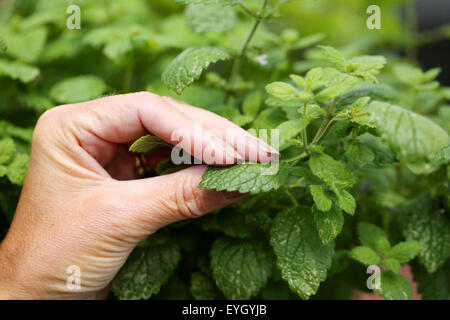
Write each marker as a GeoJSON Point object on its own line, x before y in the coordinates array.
{"type": "Point", "coordinates": [81, 205]}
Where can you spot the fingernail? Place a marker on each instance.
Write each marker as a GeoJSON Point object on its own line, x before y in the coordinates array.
{"type": "Point", "coordinates": [267, 148]}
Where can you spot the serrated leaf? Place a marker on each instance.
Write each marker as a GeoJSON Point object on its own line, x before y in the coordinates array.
{"type": "Point", "coordinates": [211, 18]}
{"type": "Point", "coordinates": [78, 89]}
{"type": "Point", "coordinates": [189, 65]}
{"type": "Point", "coordinates": [299, 81]}
{"type": "Point", "coordinates": [17, 169]}
{"type": "Point", "coordinates": [323, 203]}
{"type": "Point", "coordinates": [431, 229]}
{"type": "Point", "coordinates": [314, 78]}
{"type": "Point", "coordinates": [211, 2]}
{"type": "Point", "coordinates": [245, 177]}
{"type": "Point", "coordinates": [405, 251]}
{"type": "Point", "coordinates": [414, 139]}
{"type": "Point", "coordinates": [18, 71]}
{"type": "Point", "coordinates": [145, 271]}
{"type": "Point", "coordinates": [290, 129]}
{"type": "Point", "coordinates": [329, 224]}
{"type": "Point", "coordinates": [366, 67]}
{"type": "Point", "coordinates": [392, 264]}
{"type": "Point", "coordinates": [7, 150]}
{"type": "Point", "coordinates": [345, 200]}
{"type": "Point", "coordinates": [147, 144]}
{"type": "Point", "coordinates": [281, 90]}
{"type": "Point", "coordinates": [335, 57]}
{"type": "Point", "coordinates": [334, 173]}
{"type": "Point", "coordinates": [373, 237]}
{"type": "Point", "coordinates": [359, 154]}
{"type": "Point", "coordinates": [240, 267]}
{"type": "Point", "coordinates": [365, 255]}
{"type": "Point", "coordinates": [203, 288]}
{"type": "Point", "coordinates": [379, 93]}
{"type": "Point", "coordinates": [301, 256]}
{"type": "Point", "coordinates": [394, 286]}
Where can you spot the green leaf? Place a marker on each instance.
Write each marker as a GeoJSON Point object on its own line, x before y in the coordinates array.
{"type": "Point", "coordinates": [359, 154]}
{"type": "Point", "coordinates": [373, 237]}
{"type": "Point", "coordinates": [18, 71]}
{"type": "Point", "coordinates": [431, 229]}
{"type": "Point", "coordinates": [26, 45]}
{"type": "Point", "coordinates": [3, 45]}
{"type": "Point", "coordinates": [345, 200]}
{"type": "Point", "coordinates": [334, 173]}
{"type": "Point", "coordinates": [246, 177]}
{"type": "Point", "coordinates": [240, 267]}
{"type": "Point", "coordinates": [414, 139]}
{"type": "Point", "coordinates": [7, 150]}
{"type": "Point", "coordinates": [308, 41]}
{"type": "Point", "coordinates": [211, 2]}
{"type": "Point", "coordinates": [78, 89]}
{"type": "Point", "coordinates": [323, 203]}
{"type": "Point", "coordinates": [432, 286]}
{"type": "Point", "coordinates": [329, 224]}
{"type": "Point", "coordinates": [443, 156]}
{"type": "Point", "coordinates": [376, 92]}
{"type": "Point", "coordinates": [301, 256]}
{"type": "Point", "coordinates": [335, 57]}
{"type": "Point", "coordinates": [408, 75]}
{"type": "Point", "coordinates": [314, 78]}
{"type": "Point", "coordinates": [299, 81]}
{"type": "Point", "coordinates": [145, 271]}
{"type": "Point", "coordinates": [282, 91]}
{"type": "Point", "coordinates": [392, 264]}
{"type": "Point", "coordinates": [189, 66]}
{"type": "Point", "coordinates": [17, 169]}
{"type": "Point", "coordinates": [203, 288]}
{"type": "Point", "coordinates": [405, 251]}
{"type": "Point", "coordinates": [366, 67]}
{"type": "Point", "coordinates": [365, 255]}
{"type": "Point", "coordinates": [252, 103]}
{"type": "Point", "coordinates": [290, 129]}
{"type": "Point", "coordinates": [232, 223]}
{"type": "Point", "coordinates": [394, 286]}
{"type": "Point", "coordinates": [213, 18]}
{"type": "Point", "coordinates": [147, 144]}
{"type": "Point", "coordinates": [3, 171]}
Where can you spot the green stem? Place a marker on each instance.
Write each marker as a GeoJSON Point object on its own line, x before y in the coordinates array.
{"type": "Point", "coordinates": [305, 134]}
{"type": "Point", "coordinates": [126, 85]}
{"type": "Point", "coordinates": [291, 196]}
{"type": "Point", "coordinates": [325, 123]}
{"type": "Point", "coordinates": [235, 69]}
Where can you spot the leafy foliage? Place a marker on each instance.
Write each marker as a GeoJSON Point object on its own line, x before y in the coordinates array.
{"type": "Point", "coordinates": [355, 138]}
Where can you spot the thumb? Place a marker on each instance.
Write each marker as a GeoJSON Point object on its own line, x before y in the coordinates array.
{"type": "Point", "coordinates": [156, 202]}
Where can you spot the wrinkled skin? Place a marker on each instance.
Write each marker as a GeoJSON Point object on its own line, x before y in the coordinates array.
{"type": "Point", "coordinates": [81, 203]}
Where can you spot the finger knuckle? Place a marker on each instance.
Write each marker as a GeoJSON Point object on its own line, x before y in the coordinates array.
{"type": "Point", "coordinates": [189, 199]}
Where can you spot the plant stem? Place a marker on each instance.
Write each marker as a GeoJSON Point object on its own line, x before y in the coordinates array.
{"type": "Point", "coordinates": [235, 69]}
{"type": "Point", "coordinates": [291, 196]}
{"type": "Point", "coordinates": [326, 121]}
{"type": "Point", "coordinates": [127, 78]}
{"type": "Point", "coordinates": [304, 135]}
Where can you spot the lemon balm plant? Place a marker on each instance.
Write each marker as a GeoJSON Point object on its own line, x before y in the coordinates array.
{"type": "Point", "coordinates": [363, 177]}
